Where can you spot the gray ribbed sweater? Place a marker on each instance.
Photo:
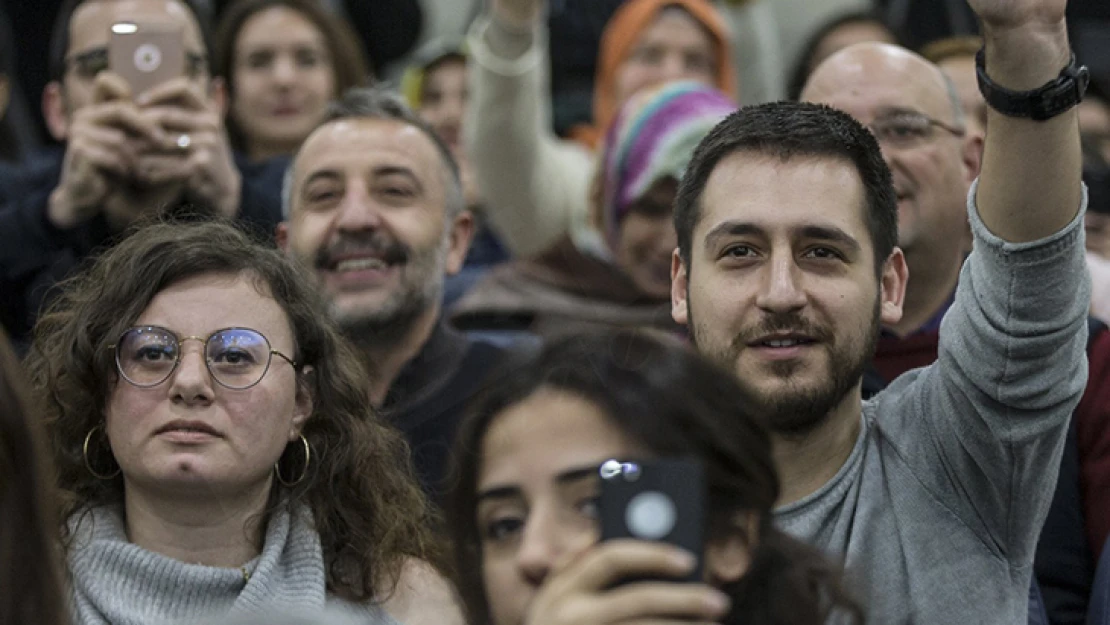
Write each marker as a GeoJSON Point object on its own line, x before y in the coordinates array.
{"type": "Point", "coordinates": [119, 583]}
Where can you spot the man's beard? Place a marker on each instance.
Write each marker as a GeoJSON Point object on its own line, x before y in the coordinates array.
{"type": "Point", "coordinates": [794, 411]}
{"type": "Point", "coordinates": [420, 286]}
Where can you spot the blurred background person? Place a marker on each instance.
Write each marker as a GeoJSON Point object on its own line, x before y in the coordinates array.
{"type": "Point", "coordinates": [955, 57]}
{"type": "Point", "coordinates": [832, 36]}
{"type": "Point", "coordinates": [622, 276]}
{"type": "Point", "coordinates": [436, 86]}
{"type": "Point", "coordinates": [524, 519]}
{"type": "Point", "coordinates": [538, 185]}
{"type": "Point", "coordinates": [283, 61]}
{"type": "Point", "coordinates": [30, 574]}
{"type": "Point", "coordinates": [214, 445]}
{"type": "Point", "coordinates": [125, 156]}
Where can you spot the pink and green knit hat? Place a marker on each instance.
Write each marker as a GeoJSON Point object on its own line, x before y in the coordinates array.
{"type": "Point", "coordinates": [654, 136]}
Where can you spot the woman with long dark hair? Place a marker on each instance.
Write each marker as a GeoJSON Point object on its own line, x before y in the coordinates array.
{"type": "Point", "coordinates": [215, 447]}
{"type": "Point", "coordinates": [30, 580]}
{"type": "Point", "coordinates": [524, 512]}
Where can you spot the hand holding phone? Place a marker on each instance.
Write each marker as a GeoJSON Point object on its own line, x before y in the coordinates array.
{"type": "Point", "coordinates": [661, 500]}
{"type": "Point", "coordinates": [146, 54]}
{"type": "Point", "coordinates": [585, 590]}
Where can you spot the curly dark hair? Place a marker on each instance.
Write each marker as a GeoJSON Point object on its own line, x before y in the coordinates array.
{"type": "Point", "coordinates": [368, 508]}
{"type": "Point", "coordinates": [672, 402]}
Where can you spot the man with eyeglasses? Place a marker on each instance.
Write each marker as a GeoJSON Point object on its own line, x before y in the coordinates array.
{"type": "Point", "coordinates": [915, 112]}
{"type": "Point", "coordinates": [126, 155]}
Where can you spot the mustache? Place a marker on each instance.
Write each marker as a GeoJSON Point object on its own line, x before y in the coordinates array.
{"type": "Point", "coordinates": [390, 250]}
{"type": "Point", "coordinates": [786, 322]}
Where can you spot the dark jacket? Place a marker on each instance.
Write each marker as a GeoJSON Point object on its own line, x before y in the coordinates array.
{"type": "Point", "coordinates": [35, 255]}
{"type": "Point", "coordinates": [559, 291]}
{"type": "Point", "coordinates": [429, 398]}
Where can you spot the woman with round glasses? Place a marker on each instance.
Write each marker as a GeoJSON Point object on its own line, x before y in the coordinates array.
{"type": "Point", "coordinates": [525, 509]}
{"type": "Point", "coordinates": [215, 447]}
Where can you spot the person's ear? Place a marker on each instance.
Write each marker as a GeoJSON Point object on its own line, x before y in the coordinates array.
{"type": "Point", "coordinates": [54, 110]}
{"type": "Point", "coordinates": [679, 290]}
{"type": "Point", "coordinates": [303, 402]}
{"type": "Point", "coordinates": [462, 233]}
{"type": "Point", "coordinates": [281, 236]}
{"type": "Point", "coordinates": [972, 156]}
{"type": "Point", "coordinates": [892, 288]}
{"type": "Point", "coordinates": [217, 90]}
{"type": "Point", "coordinates": [5, 94]}
{"type": "Point", "coordinates": [729, 558]}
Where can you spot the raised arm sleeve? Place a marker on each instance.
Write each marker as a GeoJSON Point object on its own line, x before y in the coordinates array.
{"type": "Point", "coordinates": [984, 427]}
{"type": "Point", "coordinates": [535, 185]}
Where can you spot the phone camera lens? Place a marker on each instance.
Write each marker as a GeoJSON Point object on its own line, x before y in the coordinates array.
{"type": "Point", "coordinates": [631, 471]}
{"type": "Point", "coordinates": [650, 515]}
{"type": "Point", "coordinates": [610, 469]}
{"type": "Point", "coordinates": [148, 57]}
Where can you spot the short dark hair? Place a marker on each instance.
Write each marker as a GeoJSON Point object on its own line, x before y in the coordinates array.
{"type": "Point", "coordinates": [787, 130]}
{"type": "Point", "coordinates": [59, 37]}
{"type": "Point", "coordinates": [386, 104]}
{"type": "Point", "coordinates": [667, 398]}
{"type": "Point", "coordinates": [348, 62]}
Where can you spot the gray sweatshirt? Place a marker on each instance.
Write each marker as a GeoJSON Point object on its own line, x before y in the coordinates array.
{"type": "Point", "coordinates": [938, 508]}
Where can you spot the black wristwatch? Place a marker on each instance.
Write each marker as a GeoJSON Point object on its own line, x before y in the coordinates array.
{"type": "Point", "coordinates": [1040, 104]}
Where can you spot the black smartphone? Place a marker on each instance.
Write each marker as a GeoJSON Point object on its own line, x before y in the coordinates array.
{"type": "Point", "coordinates": [661, 500]}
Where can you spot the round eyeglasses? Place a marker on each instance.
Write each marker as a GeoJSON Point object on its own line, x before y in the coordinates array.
{"type": "Point", "coordinates": [237, 358]}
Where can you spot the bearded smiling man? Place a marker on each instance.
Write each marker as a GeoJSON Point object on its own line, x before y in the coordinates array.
{"type": "Point", "coordinates": [935, 491]}
{"type": "Point", "coordinates": [374, 207]}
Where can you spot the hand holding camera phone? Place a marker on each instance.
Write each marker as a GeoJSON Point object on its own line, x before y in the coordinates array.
{"type": "Point", "coordinates": [146, 54]}
{"type": "Point", "coordinates": [659, 500]}
{"type": "Point", "coordinates": [651, 514]}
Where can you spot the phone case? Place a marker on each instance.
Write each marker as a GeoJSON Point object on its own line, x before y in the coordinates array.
{"type": "Point", "coordinates": [661, 500]}
{"type": "Point", "coordinates": [146, 55]}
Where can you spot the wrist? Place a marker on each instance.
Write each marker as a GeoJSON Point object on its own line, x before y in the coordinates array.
{"type": "Point", "coordinates": [513, 17]}
{"type": "Point", "coordinates": [1025, 57]}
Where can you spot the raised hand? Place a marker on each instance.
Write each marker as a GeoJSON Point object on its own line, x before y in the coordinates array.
{"type": "Point", "coordinates": [1002, 14]}
{"type": "Point", "coordinates": [517, 12]}
{"type": "Point", "coordinates": [581, 592]}
{"type": "Point", "coordinates": [198, 153]}
{"type": "Point", "coordinates": [103, 141]}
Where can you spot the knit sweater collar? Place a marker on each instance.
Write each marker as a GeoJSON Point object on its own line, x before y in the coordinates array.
{"type": "Point", "coordinates": [119, 583]}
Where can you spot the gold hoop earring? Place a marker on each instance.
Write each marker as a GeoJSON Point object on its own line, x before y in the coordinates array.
{"type": "Point", "coordinates": [304, 471]}
{"type": "Point", "coordinates": [88, 465]}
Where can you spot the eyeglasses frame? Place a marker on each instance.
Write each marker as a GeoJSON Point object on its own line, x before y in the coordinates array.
{"type": "Point", "coordinates": [207, 364]}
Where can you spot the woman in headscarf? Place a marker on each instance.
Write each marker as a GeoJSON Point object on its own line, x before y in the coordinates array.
{"type": "Point", "coordinates": [619, 274]}
{"type": "Point", "coordinates": [537, 185]}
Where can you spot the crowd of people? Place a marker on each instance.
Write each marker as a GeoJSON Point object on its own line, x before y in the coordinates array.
{"type": "Point", "coordinates": [328, 312]}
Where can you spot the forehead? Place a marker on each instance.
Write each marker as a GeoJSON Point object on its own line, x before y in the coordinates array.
{"type": "Point", "coordinates": [90, 24]}
{"type": "Point", "coordinates": [278, 24]}
{"type": "Point", "coordinates": [548, 433]}
{"type": "Point", "coordinates": [867, 79]}
{"type": "Point", "coordinates": [200, 305]}
{"type": "Point", "coordinates": [674, 24]}
{"type": "Point", "coordinates": [782, 196]}
{"type": "Point", "coordinates": [359, 146]}
{"type": "Point", "coordinates": [449, 64]}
